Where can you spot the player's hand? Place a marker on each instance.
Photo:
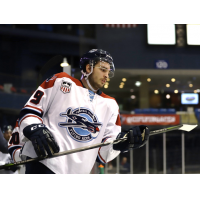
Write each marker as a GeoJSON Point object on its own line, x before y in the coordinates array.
{"type": "Point", "coordinates": [136, 138]}
{"type": "Point", "coordinates": [42, 139]}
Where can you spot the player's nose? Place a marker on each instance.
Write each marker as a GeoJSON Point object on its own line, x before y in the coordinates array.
{"type": "Point", "coordinates": [106, 75]}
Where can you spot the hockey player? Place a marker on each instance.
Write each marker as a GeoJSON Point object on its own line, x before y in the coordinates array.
{"type": "Point", "coordinates": [65, 113]}
{"type": "Point", "coordinates": [7, 131]}
{"type": "Point", "coordinates": [5, 157]}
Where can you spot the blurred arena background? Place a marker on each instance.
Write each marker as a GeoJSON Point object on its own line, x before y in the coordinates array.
{"type": "Point", "coordinates": [157, 82]}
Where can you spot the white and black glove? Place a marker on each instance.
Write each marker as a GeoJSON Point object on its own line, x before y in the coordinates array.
{"type": "Point", "coordinates": [136, 138]}
{"type": "Point", "coordinates": [42, 139]}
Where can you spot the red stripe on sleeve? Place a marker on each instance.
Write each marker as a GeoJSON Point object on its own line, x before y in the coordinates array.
{"type": "Point", "coordinates": [16, 124]}
{"type": "Point", "coordinates": [118, 121]}
{"type": "Point", "coordinates": [34, 108]}
{"type": "Point", "coordinates": [100, 155]}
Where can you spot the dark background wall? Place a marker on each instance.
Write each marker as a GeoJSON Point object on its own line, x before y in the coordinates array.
{"type": "Point", "coordinates": [130, 49]}
{"type": "Point", "coordinates": [22, 49]}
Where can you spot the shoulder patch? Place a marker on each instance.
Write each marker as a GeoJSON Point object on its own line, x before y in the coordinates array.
{"type": "Point", "coordinates": [65, 87]}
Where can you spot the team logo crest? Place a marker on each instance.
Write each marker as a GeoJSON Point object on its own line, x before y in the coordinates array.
{"type": "Point", "coordinates": [81, 124]}
{"type": "Point", "coordinates": [65, 87]}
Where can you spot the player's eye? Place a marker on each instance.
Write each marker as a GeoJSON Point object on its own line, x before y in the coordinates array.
{"type": "Point", "coordinates": [104, 69]}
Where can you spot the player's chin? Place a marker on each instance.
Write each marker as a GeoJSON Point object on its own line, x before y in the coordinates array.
{"type": "Point", "coordinates": [101, 85]}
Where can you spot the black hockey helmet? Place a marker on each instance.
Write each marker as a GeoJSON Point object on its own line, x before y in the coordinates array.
{"type": "Point", "coordinates": [95, 55]}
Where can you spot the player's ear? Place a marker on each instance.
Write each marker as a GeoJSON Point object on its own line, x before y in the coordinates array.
{"type": "Point", "coordinates": [88, 68]}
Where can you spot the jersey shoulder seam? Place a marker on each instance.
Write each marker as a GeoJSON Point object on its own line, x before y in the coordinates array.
{"type": "Point", "coordinates": [64, 74]}
{"type": "Point", "coordinates": [106, 96]}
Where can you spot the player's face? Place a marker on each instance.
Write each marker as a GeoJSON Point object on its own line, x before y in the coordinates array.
{"type": "Point", "coordinates": [100, 74]}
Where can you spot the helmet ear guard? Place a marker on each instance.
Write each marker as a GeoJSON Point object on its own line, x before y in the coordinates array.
{"type": "Point", "coordinates": [85, 73]}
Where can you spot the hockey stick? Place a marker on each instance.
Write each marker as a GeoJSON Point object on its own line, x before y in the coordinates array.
{"type": "Point", "coordinates": [183, 127]}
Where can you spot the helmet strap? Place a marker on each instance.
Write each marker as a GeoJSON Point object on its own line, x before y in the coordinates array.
{"type": "Point", "coordinates": [90, 86]}
{"type": "Point", "coordinates": [85, 75]}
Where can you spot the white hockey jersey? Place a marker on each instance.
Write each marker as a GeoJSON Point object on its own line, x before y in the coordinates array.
{"type": "Point", "coordinates": [63, 105]}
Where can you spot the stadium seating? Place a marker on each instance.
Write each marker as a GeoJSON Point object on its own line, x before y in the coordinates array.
{"type": "Point", "coordinates": [138, 111]}
{"type": "Point", "coordinates": [163, 111]}
{"type": "Point", "coordinates": [171, 111]}
{"type": "Point", "coordinates": [154, 110]}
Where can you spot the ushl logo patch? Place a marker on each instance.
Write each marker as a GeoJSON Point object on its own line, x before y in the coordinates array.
{"type": "Point", "coordinates": [81, 124]}
{"type": "Point", "coordinates": [65, 87]}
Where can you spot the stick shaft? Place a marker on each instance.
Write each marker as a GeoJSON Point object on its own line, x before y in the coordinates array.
{"type": "Point", "coordinates": [164, 130]}
{"type": "Point", "coordinates": [87, 147]}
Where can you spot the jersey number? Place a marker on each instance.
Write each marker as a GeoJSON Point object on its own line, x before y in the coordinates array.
{"type": "Point", "coordinates": [14, 139]}
{"type": "Point", "coordinates": [38, 95]}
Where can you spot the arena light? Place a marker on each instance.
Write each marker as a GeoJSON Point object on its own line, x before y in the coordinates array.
{"type": "Point", "coordinates": [167, 96]}
{"type": "Point", "coordinates": [124, 79]}
{"type": "Point", "coordinates": [190, 85]}
{"type": "Point", "coordinates": [173, 79]}
{"type": "Point", "coordinates": [175, 91]}
{"type": "Point", "coordinates": [64, 63]}
{"type": "Point", "coordinates": [193, 32]}
{"type": "Point", "coordinates": [138, 83]}
{"type": "Point", "coordinates": [198, 90]}
{"type": "Point", "coordinates": [167, 85]}
{"type": "Point", "coordinates": [158, 34]}
{"type": "Point", "coordinates": [156, 91]}
{"type": "Point", "coordinates": [132, 96]}
{"type": "Point", "coordinates": [149, 80]}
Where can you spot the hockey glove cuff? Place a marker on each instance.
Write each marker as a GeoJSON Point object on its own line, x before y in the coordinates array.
{"type": "Point", "coordinates": [136, 138]}
{"type": "Point", "coordinates": [42, 139]}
